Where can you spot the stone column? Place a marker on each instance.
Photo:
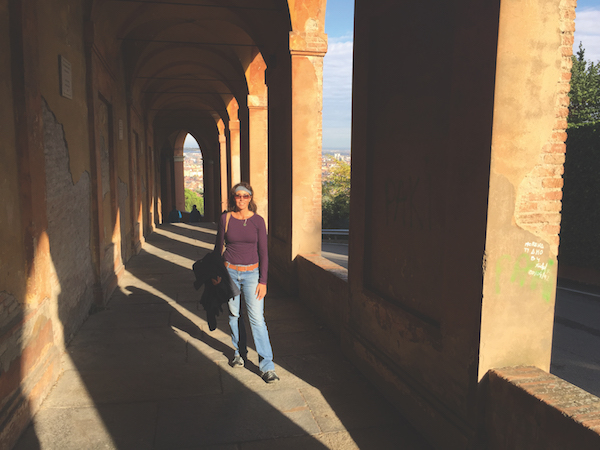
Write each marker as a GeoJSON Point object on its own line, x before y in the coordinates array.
{"type": "Point", "coordinates": [259, 157]}
{"type": "Point", "coordinates": [179, 182]}
{"type": "Point", "coordinates": [234, 139]}
{"type": "Point", "coordinates": [530, 110]}
{"type": "Point", "coordinates": [307, 50]}
{"type": "Point", "coordinates": [224, 184]}
{"type": "Point", "coordinates": [209, 190]}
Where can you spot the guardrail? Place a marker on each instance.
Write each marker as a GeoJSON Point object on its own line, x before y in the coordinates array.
{"type": "Point", "coordinates": [335, 234]}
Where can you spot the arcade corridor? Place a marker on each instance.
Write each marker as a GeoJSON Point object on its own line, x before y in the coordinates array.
{"type": "Point", "coordinates": [157, 378]}
{"type": "Point", "coordinates": [447, 306]}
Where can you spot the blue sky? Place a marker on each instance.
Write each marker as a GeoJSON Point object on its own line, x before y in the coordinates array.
{"type": "Point", "coordinates": [337, 67]}
{"type": "Point", "coordinates": [337, 70]}
{"type": "Point", "coordinates": [587, 28]}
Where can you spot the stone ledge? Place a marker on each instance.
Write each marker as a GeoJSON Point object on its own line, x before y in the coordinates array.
{"type": "Point", "coordinates": [529, 408]}
{"type": "Point", "coordinates": [323, 288]}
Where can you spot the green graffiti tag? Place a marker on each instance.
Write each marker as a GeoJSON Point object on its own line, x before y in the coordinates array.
{"type": "Point", "coordinates": [527, 270]}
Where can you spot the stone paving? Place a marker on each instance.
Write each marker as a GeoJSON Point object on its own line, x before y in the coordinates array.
{"type": "Point", "coordinates": [146, 373]}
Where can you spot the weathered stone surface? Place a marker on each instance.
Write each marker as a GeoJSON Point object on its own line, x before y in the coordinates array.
{"type": "Point", "coordinates": [69, 231]}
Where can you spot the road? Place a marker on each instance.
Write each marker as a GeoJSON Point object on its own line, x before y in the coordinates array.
{"type": "Point", "coordinates": [338, 253]}
{"type": "Point", "coordinates": [576, 340]}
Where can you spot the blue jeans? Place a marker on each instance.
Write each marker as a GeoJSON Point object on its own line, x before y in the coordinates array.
{"type": "Point", "coordinates": [247, 282]}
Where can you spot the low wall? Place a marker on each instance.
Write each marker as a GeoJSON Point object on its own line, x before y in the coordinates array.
{"type": "Point", "coordinates": [323, 287]}
{"type": "Point", "coordinates": [527, 408]}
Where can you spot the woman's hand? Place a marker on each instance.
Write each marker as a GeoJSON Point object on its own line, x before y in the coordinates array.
{"type": "Point", "coordinates": [261, 291]}
{"type": "Point", "coordinates": [216, 281]}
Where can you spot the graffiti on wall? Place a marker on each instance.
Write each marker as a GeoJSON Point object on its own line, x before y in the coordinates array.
{"type": "Point", "coordinates": [530, 269]}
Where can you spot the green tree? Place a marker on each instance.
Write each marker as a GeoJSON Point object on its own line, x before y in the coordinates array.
{"type": "Point", "coordinates": [584, 108]}
{"type": "Point", "coordinates": [579, 237]}
{"type": "Point", "coordinates": [193, 198]}
{"type": "Point", "coordinates": [336, 197]}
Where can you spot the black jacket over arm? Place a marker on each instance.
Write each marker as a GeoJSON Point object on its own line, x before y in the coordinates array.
{"type": "Point", "coordinates": [208, 268]}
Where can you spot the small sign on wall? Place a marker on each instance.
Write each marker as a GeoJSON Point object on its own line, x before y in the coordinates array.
{"type": "Point", "coordinates": [66, 86]}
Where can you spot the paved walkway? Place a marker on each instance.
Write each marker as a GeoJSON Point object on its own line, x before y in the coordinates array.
{"type": "Point", "coordinates": [147, 374]}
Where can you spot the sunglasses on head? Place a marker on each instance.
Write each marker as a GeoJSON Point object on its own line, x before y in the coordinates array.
{"type": "Point", "coordinates": [242, 196]}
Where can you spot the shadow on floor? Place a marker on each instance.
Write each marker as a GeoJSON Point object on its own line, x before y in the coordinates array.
{"type": "Point", "coordinates": [147, 374]}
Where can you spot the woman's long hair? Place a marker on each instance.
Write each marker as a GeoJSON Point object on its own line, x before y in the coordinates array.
{"type": "Point", "coordinates": [231, 200]}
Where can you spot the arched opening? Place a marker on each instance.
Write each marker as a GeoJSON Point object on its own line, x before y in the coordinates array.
{"type": "Point", "coordinates": [193, 175]}
{"type": "Point", "coordinates": [336, 154]}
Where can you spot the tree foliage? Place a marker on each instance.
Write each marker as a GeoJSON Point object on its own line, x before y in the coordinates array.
{"type": "Point", "coordinates": [579, 237]}
{"type": "Point", "coordinates": [336, 197]}
{"type": "Point", "coordinates": [585, 91]}
{"type": "Point", "coordinates": [193, 198]}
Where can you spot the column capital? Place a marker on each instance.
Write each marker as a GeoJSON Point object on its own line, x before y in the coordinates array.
{"type": "Point", "coordinates": [308, 43]}
{"type": "Point", "coordinates": [178, 158]}
{"type": "Point", "coordinates": [234, 125]}
{"type": "Point", "coordinates": [257, 101]}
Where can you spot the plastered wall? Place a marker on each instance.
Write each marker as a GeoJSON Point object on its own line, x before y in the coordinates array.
{"type": "Point", "coordinates": [457, 118]}
{"type": "Point", "coordinates": [12, 263]}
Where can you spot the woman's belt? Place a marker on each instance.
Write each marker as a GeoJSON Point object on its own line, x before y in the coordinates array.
{"type": "Point", "coordinates": [241, 268]}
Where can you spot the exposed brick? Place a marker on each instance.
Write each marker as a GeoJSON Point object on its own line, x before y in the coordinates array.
{"type": "Point", "coordinates": [529, 206]}
{"type": "Point", "coordinates": [543, 195]}
{"type": "Point", "coordinates": [593, 423]}
{"type": "Point", "coordinates": [567, 25]}
{"type": "Point", "coordinates": [553, 183]}
{"type": "Point", "coordinates": [552, 229]}
{"type": "Point", "coordinates": [539, 218]}
{"type": "Point", "coordinates": [561, 124]}
{"type": "Point", "coordinates": [554, 159]}
{"type": "Point", "coordinates": [564, 88]}
{"type": "Point", "coordinates": [548, 171]}
{"type": "Point", "coordinates": [550, 206]}
{"type": "Point", "coordinates": [555, 148]}
{"type": "Point", "coordinates": [567, 39]}
{"type": "Point", "coordinates": [560, 136]}
{"type": "Point", "coordinates": [563, 100]}
{"type": "Point", "coordinates": [562, 112]}
{"type": "Point", "coordinates": [566, 51]}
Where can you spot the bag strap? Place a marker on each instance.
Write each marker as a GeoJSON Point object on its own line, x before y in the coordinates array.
{"type": "Point", "coordinates": [225, 232]}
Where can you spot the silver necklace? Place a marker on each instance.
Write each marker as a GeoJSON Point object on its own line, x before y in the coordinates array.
{"type": "Point", "coordinates": [245, 220]}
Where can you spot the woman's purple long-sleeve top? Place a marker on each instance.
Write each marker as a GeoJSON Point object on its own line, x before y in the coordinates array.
{"type": "Point", "coordinates": [245, 245]}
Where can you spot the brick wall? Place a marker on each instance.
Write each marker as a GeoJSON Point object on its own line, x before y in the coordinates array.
{"type": "Point", "coordinates": [527, 408]}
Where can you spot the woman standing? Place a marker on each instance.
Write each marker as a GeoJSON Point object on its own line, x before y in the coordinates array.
{"type": "Point", "coordinates": [244, 234]}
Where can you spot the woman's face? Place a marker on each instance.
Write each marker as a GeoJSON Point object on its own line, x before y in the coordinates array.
{"type": "Point", "coordinates": [242, 199]}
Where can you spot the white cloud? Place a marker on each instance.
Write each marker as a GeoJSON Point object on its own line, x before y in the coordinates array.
{"type": "Point", "coordinates": [337, 93]}
{"type": "Point", "coordinates": [587, 31]}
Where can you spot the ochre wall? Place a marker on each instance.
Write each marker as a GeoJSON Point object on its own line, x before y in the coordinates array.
{"type": "Point", "coordinates": [525, 184]}
{"type": "Point", "coordinates": [54, 261]}
{"type": "Point", "coordinates": [61, 34]}
{"type": "Point", "coordinates": [443, 251]}
{"type": "Point", "coordinates": [12, 258]}
{"type": "Point", "coordinates": [422, 127]}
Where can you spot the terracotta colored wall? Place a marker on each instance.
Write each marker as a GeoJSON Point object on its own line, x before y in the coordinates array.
{"type": "Point", "coordinates": [12, 263]}
{"type": "Point", "coordinates": [323, 286]}
{"type": "Point", "coordinates": [422, 123]}
{"type": "Point", "coordinates": [531, 409]}
{"type": "Point", "coordinates": [61, 31]}
{"type": "Point", "coordinates": [440, 289]}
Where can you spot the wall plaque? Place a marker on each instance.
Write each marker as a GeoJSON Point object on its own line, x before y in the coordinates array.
{"type": "Point", "coordinates": [66, 87]}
